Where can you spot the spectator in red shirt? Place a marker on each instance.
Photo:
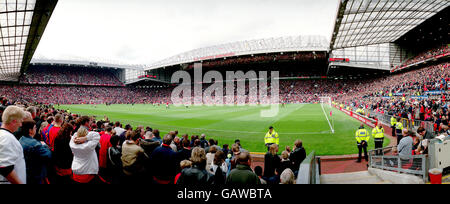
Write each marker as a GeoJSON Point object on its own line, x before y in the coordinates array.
{"type": "Point", "coordinates": [44, 131]}
{"type": "Point", "coordinates": [53, 132]}
{"type": "Point", "coordinates": [105, 144]}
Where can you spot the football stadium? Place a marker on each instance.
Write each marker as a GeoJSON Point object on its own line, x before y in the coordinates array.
{"type": "Point", "coordinates": [366, 103]}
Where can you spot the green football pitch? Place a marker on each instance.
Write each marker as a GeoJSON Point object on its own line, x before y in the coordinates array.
{"type": "Point", "coordinates": [309, 122]}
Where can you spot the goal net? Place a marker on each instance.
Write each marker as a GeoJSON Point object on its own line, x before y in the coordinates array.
{"type": "Point", "coordinates": [325, 103]}
{"type": "Point", "coordinates": [96, 102]}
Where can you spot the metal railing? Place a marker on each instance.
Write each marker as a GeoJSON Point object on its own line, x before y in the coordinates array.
{"type": "Point", "coordinates": [309, 171]}
{"type": "Point", "coordinates": [385, 159]}
{"type": "Point", "coordinates": [407, 123]}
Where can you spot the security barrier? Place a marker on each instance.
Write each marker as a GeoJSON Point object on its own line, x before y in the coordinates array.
{"type": "Point", "coordinates": [409, 124]}
{"type": "Point", "coordinates": [384, 159]}
{"type": "Point", "coordinates": [406, 123]}
{"type": "Point", "coordinates": [309, 171]}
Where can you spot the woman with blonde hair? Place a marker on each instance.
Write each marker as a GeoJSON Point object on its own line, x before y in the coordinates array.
{"type": "Point", "coordinates": [183, 165]}
{"type": "Point", "coordinates": [210, 158]}
{"type": "Point", "coordinates": [285, 163]}
{"type": "Point", "coordinates": [197, 174]}
{"type": "Point", "coordinates": [287, 177]}
{"type": "Point", "coordinates": [85, 161]}
{"type": "Point", "coordinates": [235, 150]}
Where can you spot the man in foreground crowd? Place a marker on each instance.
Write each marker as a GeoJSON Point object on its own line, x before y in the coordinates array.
{"type": "Point", "coordinates": [12, 161]}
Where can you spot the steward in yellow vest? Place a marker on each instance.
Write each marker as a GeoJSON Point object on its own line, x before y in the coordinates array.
{"type": "Point", "coordinates": [378, 135]}
{"type": "Point", "coordinates": [362, 139]}
{"type": "Point", "coordinates": [399, 127]}
{"type": "Point", "coordinates": [393, 123]}
{"type": "Point", "coordinates": [271, 138]}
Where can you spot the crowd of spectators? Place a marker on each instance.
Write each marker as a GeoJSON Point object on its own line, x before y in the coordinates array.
{"type": "Point", "coordinates": [430, 81]}
{"type": "Point", "coordinates": [290, 92]}
{"type": "Point", "coordinates": [70, 76]}
{"type": "Point", "coordinates": [59, 147]}
{"type": "Point", "coordinates": [445, 49]}
{"type": "Point", "coordinates": [416, 95]}
{"type": "Point", "coordinates": [43, 145]}
{"type": "Point", "coordinates": [83, 94]}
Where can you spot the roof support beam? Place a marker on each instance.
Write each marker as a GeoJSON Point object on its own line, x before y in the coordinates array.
{"type": "Point", "coordinates": [380, 21]}
{"type": "Point", "coordinates": [43, 11]}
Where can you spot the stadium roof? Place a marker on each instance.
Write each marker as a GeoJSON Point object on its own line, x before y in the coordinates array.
{"type": "Point", "coordinates": [84, 63]}
{"type": "Point", "coordinates": [22, 23]}
{"type": "Point", "coordinates": [261, 46]}
{"type": "Point", "coordinates": [368, 22]}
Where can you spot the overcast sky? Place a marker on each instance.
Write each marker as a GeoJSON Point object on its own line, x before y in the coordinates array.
{"type": "Point", "coordinates": [144, 31]}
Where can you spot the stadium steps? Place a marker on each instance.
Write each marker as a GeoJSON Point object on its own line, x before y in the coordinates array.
{"type": "Point", "coordinates": [362, 177]}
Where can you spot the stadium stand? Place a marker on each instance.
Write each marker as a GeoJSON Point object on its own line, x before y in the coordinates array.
{"type": "Point", "coordinates": [417, 94]}
{"type": "Point", "coordinates": [420, 82]}
{"type": "Point", "coordinates": [430, 54]}
{"type": "Point", "coordinates": [417, 90]}
{"type": "Point", "coordinates": [70, 76]}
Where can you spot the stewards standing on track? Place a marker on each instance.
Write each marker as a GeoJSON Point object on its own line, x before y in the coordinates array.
{"type": "Point", "coordinates": [378, 135]}
{"type": "Point", "coordinates": [393, 124]}
{"type": "Point", "coordinates": [271, 138]}
{"type": "Point", "coordinates": [362, 139]}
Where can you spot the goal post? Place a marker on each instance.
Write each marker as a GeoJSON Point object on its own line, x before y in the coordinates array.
{"type": "Point", "coordinates": [96, 102]}
{"type": "Point", "coordinates": [326, 104]}
{"type": "Point", "coordinates": [325, 100]}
